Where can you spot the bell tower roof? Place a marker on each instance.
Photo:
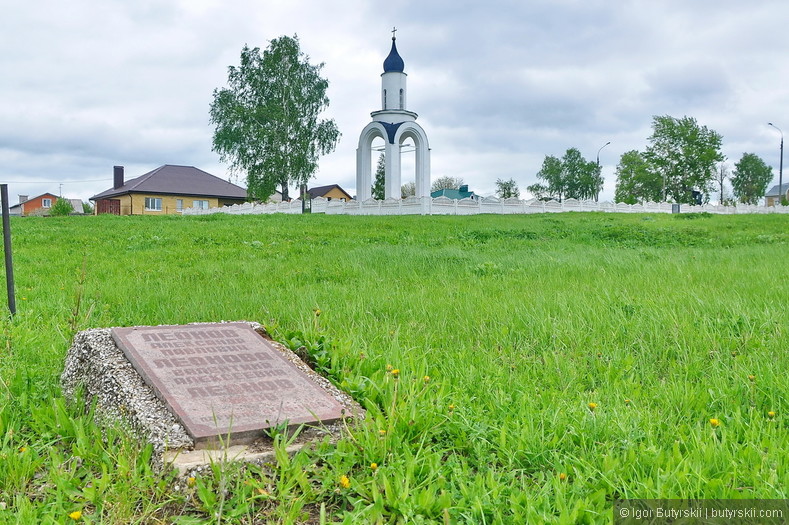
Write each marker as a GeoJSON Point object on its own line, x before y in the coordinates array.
{"type": "Point", "coordinates": [393, 63]}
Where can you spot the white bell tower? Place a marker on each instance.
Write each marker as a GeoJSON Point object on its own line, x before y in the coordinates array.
{"type": "Point", "coordinates": [393, 123]}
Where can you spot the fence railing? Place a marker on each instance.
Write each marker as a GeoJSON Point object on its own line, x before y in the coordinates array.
{"type": "Point", "coordinates": [447, 206]}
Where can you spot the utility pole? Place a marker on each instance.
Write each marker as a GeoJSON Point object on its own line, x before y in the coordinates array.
{"type": "Point", "coordinates": [781, 193]}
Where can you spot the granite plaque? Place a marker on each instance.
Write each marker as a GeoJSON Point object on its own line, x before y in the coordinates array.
{"type": "Point", "coordinates": [224, 379]}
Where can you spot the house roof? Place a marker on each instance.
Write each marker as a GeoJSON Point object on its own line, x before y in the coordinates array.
{"type": "Point", "coordinates": [775, 192]}
{"type": "Point", "coordinates": [19, 205]}
{"type": "Point", "coordinates": [452, 194]}
{"type": "Point", "coordinates": [177, 180]}
{"type": "Point", "coordinates": [320, 191]}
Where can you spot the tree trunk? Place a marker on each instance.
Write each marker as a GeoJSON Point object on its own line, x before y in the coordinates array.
{"type": "Point", "coordinates": [284, 185]}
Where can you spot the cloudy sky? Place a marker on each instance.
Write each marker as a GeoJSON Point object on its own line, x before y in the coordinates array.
{"type": "Point", "coordinates": [498, 85]}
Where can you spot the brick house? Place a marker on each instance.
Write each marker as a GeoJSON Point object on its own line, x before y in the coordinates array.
{"type": "Point", "coordinates": [168, 189]}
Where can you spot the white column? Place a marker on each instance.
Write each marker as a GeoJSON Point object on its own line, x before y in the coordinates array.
{"type": "Point", "coordinates": [363, 172]}
{"type": "Point", "coordinates": [392, 190]}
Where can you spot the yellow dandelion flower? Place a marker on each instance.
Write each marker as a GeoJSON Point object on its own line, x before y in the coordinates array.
{"type": "Point", "coordinates": [751, 378]}
{"type": "Point", "coordinates": [426, 379]}
{"type": "Point", "coordinates": [627, 401]}
{"type": "Point", "coordinates": [382, 432]}
{"type": "Point", "coordinates": [317, 312]}
{"type": "Point", "coordinates": [562, 476]}
{"type": "Point", "coordinates": [715, 422]}
{"type": "Point", "coordinates": [344, 481]}
{"type": "Point", "coordinates": [451, 408]}
{"type": "Point", "coordinates": [374, 466]}
{"type": "Point", "coordinates": [190, 481]}
{"type": "Point", "coordinates": [771, 414]}
{"type": "Point", "coordinates": [77, 514]}
{"type": "Point", "coordinates": [395, 372]}
{"type": "Point", "coordinates": [592, 406]}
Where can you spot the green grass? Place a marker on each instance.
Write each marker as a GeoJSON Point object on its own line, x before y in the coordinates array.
{"type": "Point", "coordinates": [518, 321]}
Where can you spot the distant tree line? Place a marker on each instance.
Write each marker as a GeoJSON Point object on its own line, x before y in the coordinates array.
{"type": "Point", "coordinates": [571, 177]}
{"type": "Point", "coordinates": [683, 163]}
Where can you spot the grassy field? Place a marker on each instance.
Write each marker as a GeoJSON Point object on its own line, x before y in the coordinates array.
{"type": "Point", "coordinates": [548, 364]}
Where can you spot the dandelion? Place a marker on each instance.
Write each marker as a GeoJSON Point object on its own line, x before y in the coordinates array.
{"type": "Point", "coordinates": [426, 379]}
{"type": "Point", "coordinates": [715, 422]}
{"type": "Point", "coordinates": [734, 354]}
{"type": "Point", "coordinates": [627, 401]}
{"type": "Point", "coordinates": [592, 406]}
{"type": "Point", "coordinates": [262, 492]}
{"type": "Point", "coordinates": [562, 476]}
{"type": "Point", "coordinates": [317, 312]}
{"type": "Point", "coordinates": [382, 432]}
{"type": "Point", "coordinates": [344, 481]}
{"type": "Point", "coordinates": [77, 514]}
{"type": "Point", "coordinates": [751, 378]}
{"type": "Point", "coordinates": [451, 408]}
{"type": "Point", "coordinates": [191, 481]}
{"type": "Point", "coordinates": [771, 414]}
{"type": "Point", "coordinates": [373, 466]}
{"type": "Point", "coordinates": [22, 449]}
{"type": "Point", "coordinates": [395, 373]}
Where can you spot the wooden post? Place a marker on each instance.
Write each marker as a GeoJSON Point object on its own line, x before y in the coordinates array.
{"type": "Point", "coordinates": [9, 265]}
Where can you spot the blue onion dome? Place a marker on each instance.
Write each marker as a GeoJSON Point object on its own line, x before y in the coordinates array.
{"type": "Point", "coordinates": [393, 62]}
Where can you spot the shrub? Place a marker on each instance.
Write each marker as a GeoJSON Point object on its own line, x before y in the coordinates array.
{"type": "Point", "coordinates": [61, 207]}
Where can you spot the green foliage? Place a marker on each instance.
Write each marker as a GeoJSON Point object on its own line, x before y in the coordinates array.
{"type": "Point", "coordinates": [379, 186]}
{"type": "Point", "coordinates": [683, 155]}
{"type": "Point", "coordinates": [447, 183]}
{"type": "Point", "coordinates": [635, 181]}
{"type": "Point", "coordinates": [506, 189]}
{"type": "Point", "coordinates": [408, 189]}
{"type": "Point", "coordinates": [571, 177]}
{"type": "Point", "coordinates": [751, 177]}
{"type": "Point", "coordinates": [61, 207]}
{"type": "Point", "coordinates": [87, 208]}
{"type": "Point", "coordinates": [502, 329]}
{"type": "Point", "coordinates": [267, 121]}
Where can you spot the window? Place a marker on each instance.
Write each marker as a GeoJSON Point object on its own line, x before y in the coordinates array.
{"type": "Point", "coordinates": [179, 205]}
{"type": "Point", "coordinates": [384, 99]}
{"type": "Point", "coordinates": [153, 203]}
{"type": "Point", "coordinates": [46, 203]}
{"type": "Point", "coordinates": [200, 205]}
{"type": "Point", "coordinates": [402, 99]}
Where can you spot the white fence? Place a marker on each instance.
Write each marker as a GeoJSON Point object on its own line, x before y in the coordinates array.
{"type": "Point", "coordinates": [249, 208]}
{"type": "Point", "coordinates": [446, 206]}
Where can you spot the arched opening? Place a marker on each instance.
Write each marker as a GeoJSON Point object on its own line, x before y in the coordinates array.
{"type": "Point", "coordinates": [407, 167]}
{"type": "Point", "coordinates": [372, 133]}
{"type": "Point", "coordinates": [378, 168]}
{"type": "Point", "coordinates": [402, 98]}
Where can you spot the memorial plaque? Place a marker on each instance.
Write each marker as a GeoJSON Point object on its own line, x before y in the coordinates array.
{"type": "Point", "coordinates": [224, 379]}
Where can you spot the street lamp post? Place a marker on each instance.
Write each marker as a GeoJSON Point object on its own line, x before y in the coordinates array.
{"type": "Point", "coordinates": [597, 193]}
{"type": "Point", "coordinates": [781, 165]}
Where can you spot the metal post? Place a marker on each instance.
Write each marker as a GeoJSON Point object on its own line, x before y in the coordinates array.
{"type": "Point", "coordinates": [780, 166]}
{"type": "Point", "coordinates": [9, 265]}
{"type": "Point", "coordinates": [597, 193]}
